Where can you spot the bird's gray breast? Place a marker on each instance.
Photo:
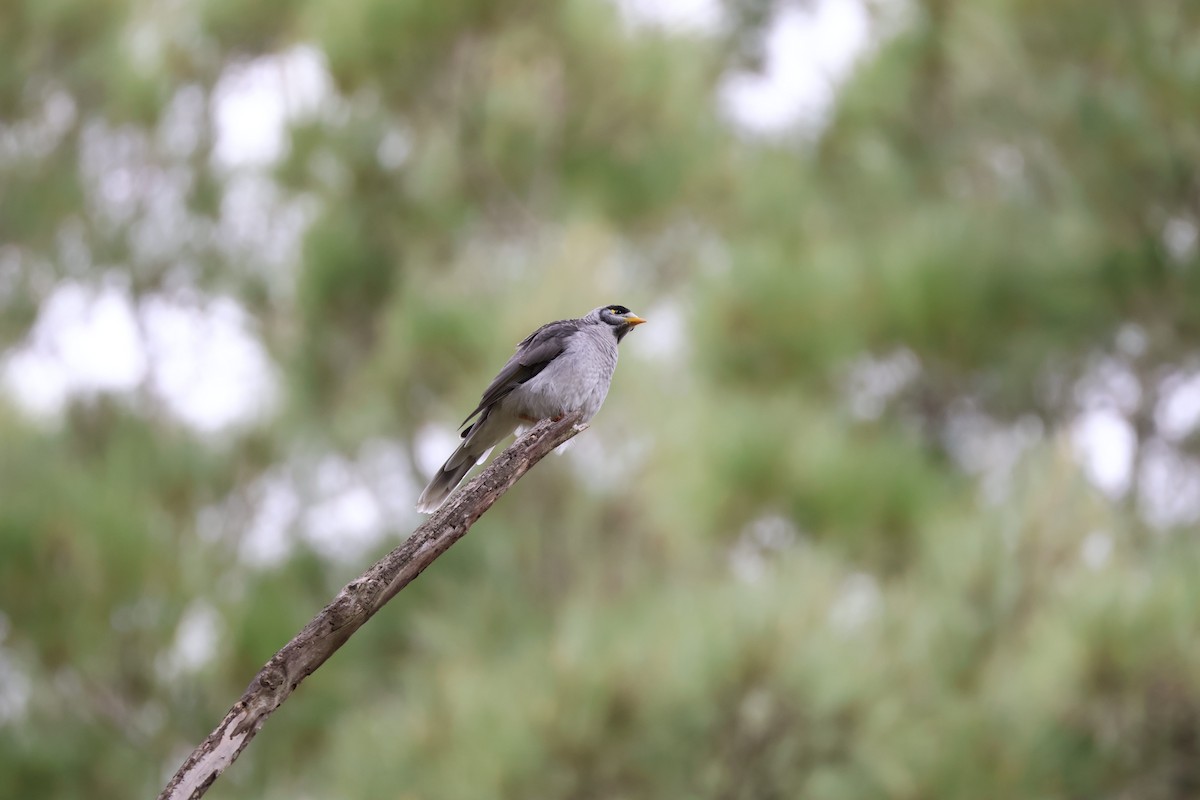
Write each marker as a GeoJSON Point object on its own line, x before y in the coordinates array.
{"type": "Point", "coordinates": [577, 380]}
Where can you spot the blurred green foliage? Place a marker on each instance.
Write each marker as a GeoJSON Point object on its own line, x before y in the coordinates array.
{"type": "Point", "coordinates": [828, 539]}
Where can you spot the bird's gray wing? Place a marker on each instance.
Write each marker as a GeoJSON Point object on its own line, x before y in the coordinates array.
{"type": "Point", "coordinates": [534, 353]}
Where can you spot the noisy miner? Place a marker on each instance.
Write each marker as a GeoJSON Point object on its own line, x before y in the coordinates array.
{"type": "Point", "coordinates": [560, 368]}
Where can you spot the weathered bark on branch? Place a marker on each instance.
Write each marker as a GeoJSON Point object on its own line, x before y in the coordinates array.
{"type": "Point", "coordinates": [356, 603]}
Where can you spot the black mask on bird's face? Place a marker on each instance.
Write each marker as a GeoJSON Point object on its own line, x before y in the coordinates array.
{"type": "Point", "coordinates": [620, 318]}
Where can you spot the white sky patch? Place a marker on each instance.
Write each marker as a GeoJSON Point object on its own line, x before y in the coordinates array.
{"type": "Point", "coordinates": [1179, 235]}
{"type": "Point", "coordinates": [345, 519]}
{"type": "Point", "coordinates": [260, 223]}
{"type": "Point", "coordinates": [1104, 443]}
{"type": "Point", "coordinates": [254, 102]}
{"type": "Point", "coordinates": [434, 444]}
{"type": "Point", "coordinates": [808, 53]}
{"type": "Point", "coordinates": [1109, 383]}
{"type": "Point", "coordinates": [84, 340]}
{"type": "Point", "coordinates": [1178, 411]}
{"type": "Point", "coordinates": [1170, 486]}
{"type": "Point", "coordinates": [196, 638]}
{"type": "Point", "coordinates": [345, 524]}
{"type": "Point", "coordinates": [990, 449]}
{"type": "Point", "coordinates": [359, 500]}
{"type": "Point", "coordinates": [210, 369]}
{"type": "Point", "coordinates": [198, 357]}
{"type": "Point", "coordinates": [341, 507]}
{"type": "Point", "coordinates": [388, 472]}
{"type": "Point", "coordinates": [276, 507]}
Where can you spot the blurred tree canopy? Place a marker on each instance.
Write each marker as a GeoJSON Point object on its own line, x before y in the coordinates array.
{"type": "Point", "coordinates": [843, 529]}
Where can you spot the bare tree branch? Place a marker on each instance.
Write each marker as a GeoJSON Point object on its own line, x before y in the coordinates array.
{"type": "Point", "coordinates": [356, 603]}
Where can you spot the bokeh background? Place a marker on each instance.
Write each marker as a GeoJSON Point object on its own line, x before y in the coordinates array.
{"type": "Point", "coordinates": [895, 496]}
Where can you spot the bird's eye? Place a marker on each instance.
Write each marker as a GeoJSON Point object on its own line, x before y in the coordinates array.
{"type": "Point", "coordinates": [618, 309]}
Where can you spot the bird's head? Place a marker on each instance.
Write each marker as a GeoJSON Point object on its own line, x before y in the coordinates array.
{"type": "Point", "coordinates": [620, 318]}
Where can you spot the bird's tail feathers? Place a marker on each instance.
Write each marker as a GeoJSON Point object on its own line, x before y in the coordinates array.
{"type": "Point", "coordinates": [450, 476]}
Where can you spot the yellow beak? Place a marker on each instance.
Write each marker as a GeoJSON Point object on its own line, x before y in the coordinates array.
{"type": "Point", "coordinates": [634, 319]}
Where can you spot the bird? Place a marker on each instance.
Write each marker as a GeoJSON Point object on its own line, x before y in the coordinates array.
{"type": "Point", "coordinates": [563, 367]}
